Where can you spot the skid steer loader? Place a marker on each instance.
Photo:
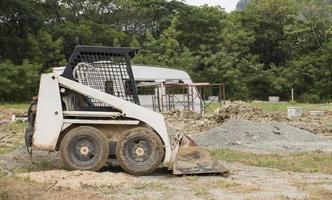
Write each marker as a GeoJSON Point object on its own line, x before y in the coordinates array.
{"type": "Point", "coordinates": [91, 112]}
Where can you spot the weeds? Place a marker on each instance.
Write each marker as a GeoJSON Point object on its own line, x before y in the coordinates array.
{"type": "Point", "coordinates": [279, 106]}
{"type": "Point", "coordinates": [4, 195]}
{"type": "Point", "coordinates": [297, 162]}
{"type": "Point", "coordinates": [19, 106]}
{"type": "Point", "coordinates": [282, 106]}
{"type": "Point", "coordinates": [11, 136]}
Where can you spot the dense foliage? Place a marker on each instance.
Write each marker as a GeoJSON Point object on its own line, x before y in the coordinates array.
{"type": "Point", "coordinates": [265, 48]}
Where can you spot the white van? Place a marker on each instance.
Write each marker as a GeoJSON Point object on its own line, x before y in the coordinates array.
{"type": "Point", "coordinates": [152, 83]}
{"type": "Point", "coordinates": [174, 89]}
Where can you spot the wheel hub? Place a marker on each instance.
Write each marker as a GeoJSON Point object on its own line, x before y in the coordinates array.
{"type": "Point", "coordinates": [139, 151]}
{"type": "Point", "coordinates": [84, 150]}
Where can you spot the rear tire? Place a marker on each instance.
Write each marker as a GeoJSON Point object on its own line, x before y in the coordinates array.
{"type": "Point", "coordinates": [84, 148]}
{"type": "Point", "coordinates": [139, 151]}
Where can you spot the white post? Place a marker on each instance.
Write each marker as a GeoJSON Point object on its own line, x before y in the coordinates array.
{"type": "Point", "coordinates": [292, 95]}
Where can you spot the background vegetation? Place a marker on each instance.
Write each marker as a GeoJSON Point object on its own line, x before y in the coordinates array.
{"type": "Point", "coordinates": [264, 48]}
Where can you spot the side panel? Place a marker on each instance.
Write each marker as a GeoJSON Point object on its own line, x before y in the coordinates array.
{"type": "Point", "coordinates": [49, 117]}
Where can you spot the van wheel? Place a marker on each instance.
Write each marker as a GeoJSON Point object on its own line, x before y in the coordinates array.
{"type": "Point", "coordinates": [139, 151]}
{"type": "Point", "coordinates": [84, 148]}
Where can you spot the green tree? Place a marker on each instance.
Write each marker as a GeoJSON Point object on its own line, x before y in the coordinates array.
{"type": "Point", "coordinates": [167, 50]}
{"type": "Point", "coordinates": [18, 82]}
{"type": "Point", "coordinates": [267, 18]}
{"type": "Point", "coordinates": [269, 48]}
{"type": "Point", "coordinates": [44, 50]}
{"type": "Point", "coordinates": [18, 19]}
{"type": "Point", "coordinates": [200, 26]}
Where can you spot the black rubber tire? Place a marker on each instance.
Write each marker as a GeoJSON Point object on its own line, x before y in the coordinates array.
{"type": "Point", "coordinates": [154, 158]}
{"type": "Point", "coordinates": [93, 137]}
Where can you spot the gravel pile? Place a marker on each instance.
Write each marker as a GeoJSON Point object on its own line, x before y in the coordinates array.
{"type": "Point", "coordinates": [262, 137]}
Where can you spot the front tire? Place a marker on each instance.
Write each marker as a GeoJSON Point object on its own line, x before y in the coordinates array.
{"type": "Point", "coordinates": [84, 148]}
{"type": "Point", "coordinates": [139, 151]}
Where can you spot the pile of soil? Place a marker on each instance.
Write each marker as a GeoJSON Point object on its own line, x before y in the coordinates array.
{"type": "Point", "coordinates": [7, 113]}
{"type": "Point", "coordinates": [189, 122]}
{"type": "Point", "coordinates": [262, 137]}
{"type": "Point", "coordinates": [240, 110]}
{"type": "Point", "coordinates": [318, 125]}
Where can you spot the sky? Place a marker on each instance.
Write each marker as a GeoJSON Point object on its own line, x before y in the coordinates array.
{"type": "Point", "coordinates": [229, 5]}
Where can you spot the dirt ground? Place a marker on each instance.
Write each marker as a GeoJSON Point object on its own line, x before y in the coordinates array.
{"type": "Point", "coordinates": [49, 180]}
{"type": "Point", "coordinates": [45, 178]}
{"type": "Point", "coordinates": [10, 133]}
{"type": "Point", "coordinates": [24, 189]}
{"type": "Point", "coordinates": [6, 113]}
{"type": "Point", "coordinates": [246, 182]}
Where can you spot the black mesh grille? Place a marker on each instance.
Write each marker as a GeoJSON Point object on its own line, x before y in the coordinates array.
{"type": "Point", "coordinates": [103, 69]}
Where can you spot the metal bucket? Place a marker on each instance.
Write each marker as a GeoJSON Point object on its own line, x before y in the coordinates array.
{"type": "Point", "coordinates": [192, 159]}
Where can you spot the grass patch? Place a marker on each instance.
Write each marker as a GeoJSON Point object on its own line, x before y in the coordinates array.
{"type": "Point", "coordinates": [4, 150]}
{"type": "Point", "coordinates": [13, 128]}
{"type": "Point", "coordinates": [279, 106]}
{"type": "Point", "coordinates": [19, 106]}
{"type": "Point", "coordinates": [11, 136]}
{"type": "Point", "coordinates": [282, 106]}
{"type": "Point", "coordinates": [297, 162]}
{"type": "Point", "coordinates": [212, 107]}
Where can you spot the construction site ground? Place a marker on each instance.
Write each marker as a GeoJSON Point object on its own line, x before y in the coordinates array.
{"type": "Point", "coordinates": [269, 155]}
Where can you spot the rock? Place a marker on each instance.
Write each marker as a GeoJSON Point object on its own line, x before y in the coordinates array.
{"type": "Point", "coordinates": [236, 143]}
{"type": "Point", "coordinates": [276, 132]}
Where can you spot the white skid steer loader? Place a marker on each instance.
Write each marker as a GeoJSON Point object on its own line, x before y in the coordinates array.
{"type": "Point", "coordinates": [91, 112]}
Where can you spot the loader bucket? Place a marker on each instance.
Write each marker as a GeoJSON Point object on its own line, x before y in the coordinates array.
{"type": "Point", "coordinates": [192, 159]}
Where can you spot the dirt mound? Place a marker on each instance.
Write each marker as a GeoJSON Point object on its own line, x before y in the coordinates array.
{"type": "Point", "coordinates": [189, 122]}
{"type": "Point", "coordinates": [262, 137]}
{"type": "Point", "coordinates": [6, 113]}
{"type": "Point", "coordinates": [240, 110]}
{"type": "Point", "coordinates": [321, 126]}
